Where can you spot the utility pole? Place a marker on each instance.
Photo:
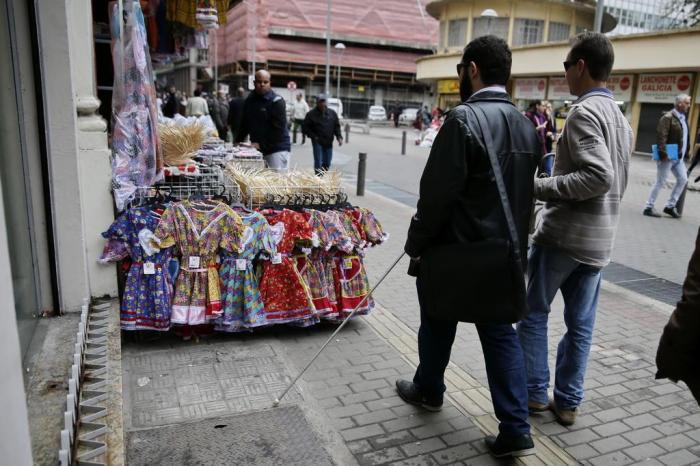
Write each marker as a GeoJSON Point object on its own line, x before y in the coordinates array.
{"type": "Point", "coordinates": [328, 48]}
{"type": "Point", "coordinates": [599, 11]}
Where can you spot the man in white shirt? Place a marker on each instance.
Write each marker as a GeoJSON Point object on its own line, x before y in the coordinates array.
{"type": "Point", "coordinates": [197, 106]}
{"type": "Point", "coordinates": [301, 108]}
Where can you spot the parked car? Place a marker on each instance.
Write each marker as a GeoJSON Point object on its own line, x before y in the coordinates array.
{"type": "Point", "coordinates": [408, 116]}
{"type": "Point", "coordinates": [336, 105]}
{"type": "Point", "coordinates": [376, 113]}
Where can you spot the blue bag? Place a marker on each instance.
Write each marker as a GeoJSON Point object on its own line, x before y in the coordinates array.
{"type": "Point", "coordinates": [671, 151]}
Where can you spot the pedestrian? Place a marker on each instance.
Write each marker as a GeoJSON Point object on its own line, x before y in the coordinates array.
{"type": "Point", "coordinates": [301, 108]}
{"type": "Point", "coordinates": [551, 129]}
{"type": "Point", "coordinates": [460, 203]}
{"type": "Point", "coordinates": [215, 114]}
{"type": "Point", "coordinates": [172, 103]}
{"type": "Point", "coordinates": [197, 106]}
{"type": "Point", "coordinates": [222, 103]}
{"type": "Point", "coordinates": [426, 117]}
{"type": "Point", "coordinates": [321, 124]}
{"type": "Point", "coordinates": [678, 352]}
{"type": "Point", "coordinates": [576, 230]}
{"type": "Point", "coordinates": [535, 113]}
{"type": "Point", "coordinates": [671, 132]}
{"type": "Point", "coordinates": [265, 120]}
{"type": "Point", "coordinates": [235, 112]}
{"type": "Point", "coordinates": [397, 112]}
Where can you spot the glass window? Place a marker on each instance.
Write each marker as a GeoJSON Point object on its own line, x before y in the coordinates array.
{"type": "Point", "coordinates": [558, 31]}
{"type": "Point", "coordinates": [528, 31]}
{"type": "Point", "coordinates": [458, 33]}
{"type": "Point", "coordinates": [443, 26]}
{"type": "Point", "coordinates": [495, 26]}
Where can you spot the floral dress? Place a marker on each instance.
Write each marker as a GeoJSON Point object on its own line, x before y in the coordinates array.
{"type": "Point", "coordinates": [198, 233]}
{"type": "Point", "coordinates": [145, 304]}
{"type": "Point", "coordinates": [286, 296]}
{"type": "Point", "coordinates": [242, 305]}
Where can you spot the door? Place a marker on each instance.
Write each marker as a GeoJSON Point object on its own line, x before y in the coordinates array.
{"type": "Point", "coordinates": [648, 119]}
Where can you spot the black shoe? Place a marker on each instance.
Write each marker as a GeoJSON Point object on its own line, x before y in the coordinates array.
{"type": "Point", "coordinates": [501, 446]}
{"type": "Point", "coordinates": [650, 212]}
{"type": "Point", "coordinates": [410, 394]}
{"type": "Point", "coordinates": [672, 211]}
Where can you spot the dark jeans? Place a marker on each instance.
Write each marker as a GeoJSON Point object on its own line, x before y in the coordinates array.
{"type": "Point", "coordinates": [505, 366]}
{"type": "Point", "coordinates": [322, 157]}
{"type": "Point", "coordinates": [295, 127]}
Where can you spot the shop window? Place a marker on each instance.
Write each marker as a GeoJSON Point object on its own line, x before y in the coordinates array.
{"type": "Point", "coordinates": [528, 31]}
{"type": "Point", "coordinates": [457, 33]}
{"type": "Point", "coordinates": [558, 31]}
{"type": "Point", "coordinates": [491, 26]}
{"type": "Point", "coordinates": [443, 27]}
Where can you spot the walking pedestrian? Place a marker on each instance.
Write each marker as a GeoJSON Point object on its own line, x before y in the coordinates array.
{"type": "Point", "coordinates": [535, 113]}
{"type": "Point", "coordinates": [215, 114]}
{"type": "Point", "coordinates": [197, 106]}
{"type": "Point", "coordinates": [321, 125]}
{"type": "Point", "coordinates": [460, 203]}
{"type": "Point", "coordinates": [673, 145]}
{"type": "Point", "coordinates": [551, 129]}
{"type": "Point", "coordinates": [235, 112]}
{"type": "Point", "coordinates": [575, 233]}
{"type": "Point", "coordinates": [222, 104]}
{"type": "Point", "coordinates": [679, 352]}
{"type": "Point", "coordinates": [172, 103]}
{"type": "Point", "coordinates": [301, 108]}
{"type": "Point", "coordinates": [265, 120]}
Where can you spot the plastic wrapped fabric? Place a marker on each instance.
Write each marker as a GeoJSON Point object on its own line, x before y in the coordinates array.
{"type": "Point", "coordinates": [136, 159]}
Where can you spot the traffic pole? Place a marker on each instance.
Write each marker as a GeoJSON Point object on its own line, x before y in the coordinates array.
{"type": "Point", "coordinates": [403, 143]}
{"type": "Point", "coordinates": [361, 168]}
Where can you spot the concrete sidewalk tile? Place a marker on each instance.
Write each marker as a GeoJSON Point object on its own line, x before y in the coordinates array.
{"type": "Point", "coordinates": [359, 446]}
{"type": "Point", "coordinates": [369, 385]}
{"type": "Point", "coordinates": [611, 428]}
{"type": "Point", "coordinates": [608, 444]}
{"type": "Point", "coordinates": [374, 417]}
{"type": "Point", "coordinates": [361, 397]}
{"type": "Point", "coordinates": [423, 460]}
{"type": "Point", "coordinates": [644, 435]}
{"type": "Point", "coordinates": [611, 459]}
{"type": "Point", "coordinates": [347, 411]}
{"type": "Point", "coordinates": [579, 436]}
{"type": "Point", "coordinates": [673, 426]}
{"type": "Point", "coordinates": [693, 419]}
{"type": "Point", "coordinates": [679, 458]}
{"type": "Point", "coordinates": [422, 447]}
{"type": "Point", "coordinates": [469, 435]}
{"type": "Point", "coordinates": [675, 442]}
{"type": "Point", "coordinates": [381, 374]}
{"type": "Point", "coordinates": [551, 453]}
{"type": "Point", "coordinates": [641, 407]}
{"type": "Point", "coordinates": [380, 456]}
{"type": "Point", "coordinates": [403, 423]}
{"type": "Point", "coordinates": [644, 451]}
{"type": "Point", "coordinates": [467, 403]}
{"type": "Point", "coordinates": [363, 432]}
{"type": "Point", "coordinates": [582, 452]}
{"type": "Point", "coordinates": [431, 430]}
{"type": "Point", "coordinates": [613, 414]}
{"type": "Point", "coordinates": [331, 392]}
{"type": "Point", "coordinates": [483, 460]}
{"type": "Point", "coordinates": [392, 439]}
{"type": "Point", "coordinates": [641, 420]}
{"type": "Point", "coordinates": [453, 454]}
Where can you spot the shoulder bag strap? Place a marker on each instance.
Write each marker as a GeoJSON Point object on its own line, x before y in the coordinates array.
{"type": "Point", "coordinates": [496, 167]}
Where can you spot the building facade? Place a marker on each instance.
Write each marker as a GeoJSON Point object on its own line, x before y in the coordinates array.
{"type": "Point", "coordinates": [646, 77]}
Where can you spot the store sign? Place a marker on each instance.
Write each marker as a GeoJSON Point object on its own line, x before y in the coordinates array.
{"type": "Point", "coordinates": [621, 86]}
{"type": "Point", "coordinates": [529, 88]}
{"type": "Point", "coordinates": [448, 86]}
{"type": "Point", "coordinates": [663, 88]}
{"type": "Point", "coordinates": [559, 90]}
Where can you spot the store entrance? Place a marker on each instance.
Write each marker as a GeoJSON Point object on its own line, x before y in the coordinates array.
{"type": "Point", "coordinates": [648, 119]}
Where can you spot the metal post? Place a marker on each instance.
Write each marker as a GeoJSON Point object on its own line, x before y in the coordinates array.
{"type": "Point", "coordinates": [598, 20]}
{"type": "Point", "coordinates": [361, 168]}
{"type": "Point", "coordinates": [328, 49]}
{"type": "Point", "coordinates": [347, 133]}
{"type": "Point", "coordinates": [403, 143]}
{"type": "Point", "coordinates": [338, 93]}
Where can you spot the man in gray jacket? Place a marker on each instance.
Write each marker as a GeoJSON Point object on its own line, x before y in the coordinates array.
{"type": "Point", "coordinates": [574, 236]}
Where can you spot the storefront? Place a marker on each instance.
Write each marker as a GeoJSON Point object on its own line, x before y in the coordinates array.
{"type": "Point", "coordinates": [526, 90]}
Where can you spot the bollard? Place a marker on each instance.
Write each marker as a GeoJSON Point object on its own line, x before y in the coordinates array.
{"type": "Point", "coordinates": [361, 168]}
{"type": "Point", "coordinates": [403, 143]}
{"type": "Point", "coordinates": [347, 133]}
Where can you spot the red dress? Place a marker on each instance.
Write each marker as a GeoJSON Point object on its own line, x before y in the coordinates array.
{"type": "Point", "coordinates": [286, 296]}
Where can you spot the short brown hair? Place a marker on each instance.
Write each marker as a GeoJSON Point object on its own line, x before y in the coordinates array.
{"type": "Point", "coordinates": [596, 50]}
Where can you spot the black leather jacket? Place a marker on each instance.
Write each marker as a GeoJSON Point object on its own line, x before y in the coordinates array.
{"type": "Point", "coordinates": [459, 200]}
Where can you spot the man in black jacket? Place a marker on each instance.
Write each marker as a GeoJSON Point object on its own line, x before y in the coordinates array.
{"type": "Point", "coordinates": [265, 119]}
{"type": "Point", "coordinates": [460, 203]}
{"type": "Point", "coordinates": [235, 112]}
{"type": "Point", "coordinates": [320, 125]}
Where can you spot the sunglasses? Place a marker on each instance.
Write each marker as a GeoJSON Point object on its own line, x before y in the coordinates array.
{"type": "Point", "coordinates": [568, 64]}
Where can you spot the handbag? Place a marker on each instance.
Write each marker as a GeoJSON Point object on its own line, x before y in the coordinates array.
{"type": "Point", "coordinates": [482, 281]}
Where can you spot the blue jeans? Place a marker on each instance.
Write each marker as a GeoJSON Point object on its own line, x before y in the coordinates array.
{"type": "Point", "coordinates": [505, 368]}
{"type": "Point", "coordinates": [551, 270]}
{"type": "Point", "coordinates": [322, 157]}
{"type": "Point", "coordinates": [663, 167]}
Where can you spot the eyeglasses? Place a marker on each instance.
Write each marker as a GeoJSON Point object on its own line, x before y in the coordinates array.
{"type": "Point", "coordinates": [568, 64]}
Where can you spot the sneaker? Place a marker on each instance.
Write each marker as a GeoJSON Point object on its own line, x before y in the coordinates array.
{"type": "Point", "coordinates": [672, 211]}
{"type": "Point", "coordinates": [650, 212]}
{"type": "Point", "coordinates": [565, 417]}
{"type": "Point", "coordinates": [518, 445]}
{"type": "Point", "coordinates": [535, 407]}
{"type": "Point", "coordinates": [410, 394]}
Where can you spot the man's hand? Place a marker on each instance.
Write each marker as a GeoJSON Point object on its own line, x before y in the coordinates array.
{"type": "Point", "coordinates": [340, 141]}
{"type": "Point", "coordinates": [663, 157]}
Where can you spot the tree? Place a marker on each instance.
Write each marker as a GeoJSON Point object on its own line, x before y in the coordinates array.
{"type": "Point", "coordinates": [683, 13]}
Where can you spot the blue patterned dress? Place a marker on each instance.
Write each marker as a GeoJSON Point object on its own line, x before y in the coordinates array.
{"type": "Point", "coordinates": [148, 290]}
{"type": "Point", "coordinates": [242, 305]}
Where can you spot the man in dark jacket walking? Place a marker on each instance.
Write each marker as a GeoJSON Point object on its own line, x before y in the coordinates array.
{"type": "Point", "coordinates": [320, 125]}
{"type": "Point", "coordinates": [235, 112]}
{"type": "Point", "coordinates": [265, 119]}
{"type": "Point", "coordinates": [460, 203]}
{"type": "Point", "coordinates": [171, 105]}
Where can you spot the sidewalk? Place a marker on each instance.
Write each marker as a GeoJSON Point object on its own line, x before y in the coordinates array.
{"type": "Point", "coordinates": [210, 402]}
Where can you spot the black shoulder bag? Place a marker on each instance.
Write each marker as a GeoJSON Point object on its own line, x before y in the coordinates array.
{"type": "Point", "coordinates": [482, 281]}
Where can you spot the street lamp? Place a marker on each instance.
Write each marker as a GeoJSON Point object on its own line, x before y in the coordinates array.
{"type": "Point", "coordinates": [489, 14]}
{"type": "Point", "coordinates": [340, 47]}
{"type": "Point", "coordinates": [329, 6]}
